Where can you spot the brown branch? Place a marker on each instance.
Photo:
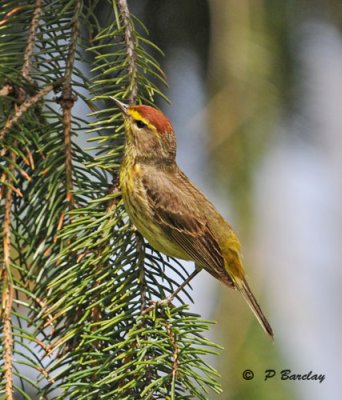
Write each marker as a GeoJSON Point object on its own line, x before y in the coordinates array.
{"type": "Point", "coordinates": [175, 351]}
{"type": "Point", "coordinates": [75, 29]}
{"type": "Point", "coordinates": [7, 219]}
{"type": "Point", "coordinates": [131, 53]}
{"type": "Point", "coordinates": [133, 72]}
{"type": "Point", "coordinates": [68, 154]}
{"type": "Point", "coordinates": [7, 295]}
{"type": "Point", "coordinates": [25, 71]}
{"type": "Point", "coordinates": [114, 189]}
{"type": "Point", "coordinates": [26, 105]}
{"type": "Point", "coordinates": [67, 101]}
{"type": "Point", "coordinates": [8, 340]}
{"type": "Point", "coordinates": [26, 68]}
{"type": "Point", "coordinates": [142, 278]}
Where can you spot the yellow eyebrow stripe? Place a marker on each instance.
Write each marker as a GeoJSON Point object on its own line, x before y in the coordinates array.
{"type": "Point", "coordinates": [137, 116]}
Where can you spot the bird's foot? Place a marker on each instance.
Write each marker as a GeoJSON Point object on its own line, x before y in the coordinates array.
{"type": "Point", "coordinates": [158, 303]}
{"type": "Point", "coordinates": [172, 296]}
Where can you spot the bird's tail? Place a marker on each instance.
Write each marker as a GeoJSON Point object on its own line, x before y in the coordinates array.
{"type": "Point", "coordinates": [247, 294]}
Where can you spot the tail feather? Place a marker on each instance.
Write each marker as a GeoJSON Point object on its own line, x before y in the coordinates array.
{"type": "Point", "coordinates": [247, 294]}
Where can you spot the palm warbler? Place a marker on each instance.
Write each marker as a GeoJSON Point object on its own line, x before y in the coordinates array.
{"type": "Point", "coordinates": [169, 211]}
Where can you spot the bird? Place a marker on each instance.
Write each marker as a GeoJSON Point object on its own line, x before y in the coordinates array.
{"type": "Point", "coordinates": [171, 213]}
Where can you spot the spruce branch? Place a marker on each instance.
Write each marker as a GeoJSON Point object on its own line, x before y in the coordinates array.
{"type": "Point", "coordinates": [67, 101]}
{"type": "Point", "coordinates": [87, 283]}
{"type": "Point", "coordinates": [175, 357]}
{"type": "Point", "coordinates": [132, 64]}
{"type": "Point", "coordinates": [141, 266]}
{"type": "Point", "coordinates": [26, 105]}
{"type": "Point", "coordinates": [7, 289]}
{"type": "Point", "coordinates": [6, 269]}
{"type": "Point", "coordinates": [131, 51]}
{"type": "Point", "coordinates": [26, 68]}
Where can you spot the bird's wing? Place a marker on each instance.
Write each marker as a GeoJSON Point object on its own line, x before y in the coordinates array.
{"type": "Point", "coordinates": [175, 202]}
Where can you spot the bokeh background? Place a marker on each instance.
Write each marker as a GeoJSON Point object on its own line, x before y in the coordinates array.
{"type": "Point", "coordinates": [256, 91]}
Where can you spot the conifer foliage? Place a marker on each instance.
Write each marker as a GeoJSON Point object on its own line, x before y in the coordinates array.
{"type": "Point", "coordinates": [76, 279]}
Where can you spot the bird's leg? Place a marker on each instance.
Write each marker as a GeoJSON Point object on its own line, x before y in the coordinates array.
{"type": "Point", "coordinates": [170, 298]}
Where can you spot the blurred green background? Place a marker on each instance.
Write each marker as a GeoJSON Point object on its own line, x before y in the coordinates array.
{"type": "Point", "coordinates": [256, 88]}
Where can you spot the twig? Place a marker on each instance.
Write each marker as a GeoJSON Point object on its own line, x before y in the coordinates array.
{"type": "Point", "coordinates": [175, 358]}
{"type": "Point", "coordinates": [133, 72]}
{"type": "Point", "coordinates": [131, 53]}
{"type": "Point", "coordinates": [67, 101]}
{"type": "Point", "coordinates": [142, 278]}
{"type": "Point", "coordinates": [26, 73]}
{"type": "Point", "coordinates": [26, 68]}
{"type": "Point", "coordinates": [8, 340]}
{"type": "Point", "coordinates": [75, 28]}
{"type": "Point", "coordinates": [115, 190]}
{"type": "Point", "coordinates": [7, 298]}
{"type": "Point", "coordinates": [26, 105]}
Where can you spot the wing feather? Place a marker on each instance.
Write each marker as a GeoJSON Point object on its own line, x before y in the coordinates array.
{"type": "Point", "coordinates": [179, 215]}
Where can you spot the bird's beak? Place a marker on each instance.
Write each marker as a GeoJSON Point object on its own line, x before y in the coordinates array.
{"type": "Point", "coordinates": [122, 106]}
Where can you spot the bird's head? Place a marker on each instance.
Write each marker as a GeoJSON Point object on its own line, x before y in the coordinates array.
{"type": "Point", "coordinates": [149, 132]}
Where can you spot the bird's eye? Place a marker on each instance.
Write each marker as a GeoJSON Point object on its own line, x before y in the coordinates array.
{"type": "Point", "coordinates": [140, 124]}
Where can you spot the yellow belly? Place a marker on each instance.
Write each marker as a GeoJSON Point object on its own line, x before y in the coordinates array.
{"type": "Point", "coordinates": [142, 216]}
